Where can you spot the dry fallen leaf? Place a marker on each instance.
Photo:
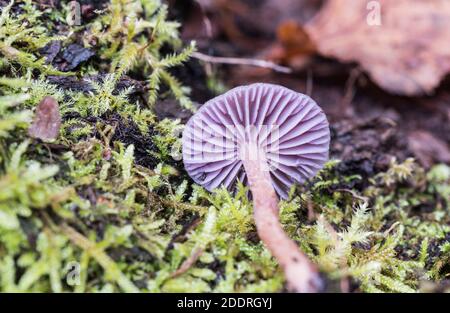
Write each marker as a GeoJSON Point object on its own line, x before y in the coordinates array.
{"type": "Point", "coordinates": [47, 120]}
{"type": "Point", "coordinates": [428, 149]}
{"type": "Point", "coordinates": [293, 46]}
{"type": "Point", "coordinates": [407, 54]}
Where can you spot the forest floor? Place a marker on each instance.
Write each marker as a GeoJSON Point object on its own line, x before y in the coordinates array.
{"type": "Point", "coordinates": [121, 213]}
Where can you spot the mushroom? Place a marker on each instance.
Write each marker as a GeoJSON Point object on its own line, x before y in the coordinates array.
{"type": "Point", "coordinates": [268, 137]}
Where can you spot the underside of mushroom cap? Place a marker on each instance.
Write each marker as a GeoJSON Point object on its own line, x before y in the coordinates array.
{"type": "Point", "coordinates": [289, 128]}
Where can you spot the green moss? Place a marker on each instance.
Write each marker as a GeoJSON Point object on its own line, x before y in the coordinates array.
{"type": "Point", "coordinates": [91, 217]}
{"type": "Point", "coordinates": [21, 35]}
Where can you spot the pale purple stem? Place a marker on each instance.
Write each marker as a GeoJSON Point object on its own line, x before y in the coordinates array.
{"type": "Point", "coordinates": [301, 274]}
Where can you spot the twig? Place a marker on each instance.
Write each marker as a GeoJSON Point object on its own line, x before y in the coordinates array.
{"type": "Point", "coordinates": [386, 233]}
{"type": "Point", "coordinates": [186, 228]}
{"type": "Point", "coordinates": [354, 195]}
{"type": "Point", "coordinates": [183, 206]}
{"type": "Point", "coordinates": [187, 264]}
{"type": "Point", "coordinates": [206, 21]}
{"type": "Point", "coordinates": [242, 61]}
{"type": "Point", "coordinates": [350, 91]}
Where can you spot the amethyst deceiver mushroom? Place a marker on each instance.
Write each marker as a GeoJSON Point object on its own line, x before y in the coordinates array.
{"type": "Point", "coordinates": [270, 138]}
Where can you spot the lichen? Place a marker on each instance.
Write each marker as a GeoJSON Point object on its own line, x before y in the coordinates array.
{"type": "Point", "coordinates": [96, 211]}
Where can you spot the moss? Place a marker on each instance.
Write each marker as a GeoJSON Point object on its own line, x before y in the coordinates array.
{"type": "Point", "coordinates": [108, 206]}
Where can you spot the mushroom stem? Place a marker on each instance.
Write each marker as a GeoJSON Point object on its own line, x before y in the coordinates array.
{"type": "Point", "coordinates": [301, 275]}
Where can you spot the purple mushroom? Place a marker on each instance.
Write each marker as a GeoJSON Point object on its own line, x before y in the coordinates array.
{"type": "Point", "coordinates": [270, 138]}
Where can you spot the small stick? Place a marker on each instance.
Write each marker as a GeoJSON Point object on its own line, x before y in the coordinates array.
{"type": "Point", "coordinates": [354, 195]}
{"type": "Point", "coordinates": [242, 61]}
{"type": "Point", "coordinates": [350, 91]}
{"type": "Point", "coordinates": [188, 263]}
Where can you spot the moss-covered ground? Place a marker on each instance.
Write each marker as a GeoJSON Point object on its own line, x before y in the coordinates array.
{"type": "Point", "coordinates": [107, 206]}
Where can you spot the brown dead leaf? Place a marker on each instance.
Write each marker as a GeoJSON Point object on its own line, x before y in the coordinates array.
{"type": "Point", "coordinates": [47, 120]}
{"type": "Point", "coordinates": [408, 54]}
{"type": "Point", "coordinates": [293, 46]}
{"type": "Point", "coordinates": [294, 38]}
{"type": "Point", "coordinates": [428, 149]}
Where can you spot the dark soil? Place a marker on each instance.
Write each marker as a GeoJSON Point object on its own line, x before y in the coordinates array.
{"type": "Point", "coordinates": [128, 133]}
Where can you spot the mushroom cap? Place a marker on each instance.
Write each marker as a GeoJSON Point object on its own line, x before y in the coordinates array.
{"type": "Point", "coordinates": [288, 127]}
